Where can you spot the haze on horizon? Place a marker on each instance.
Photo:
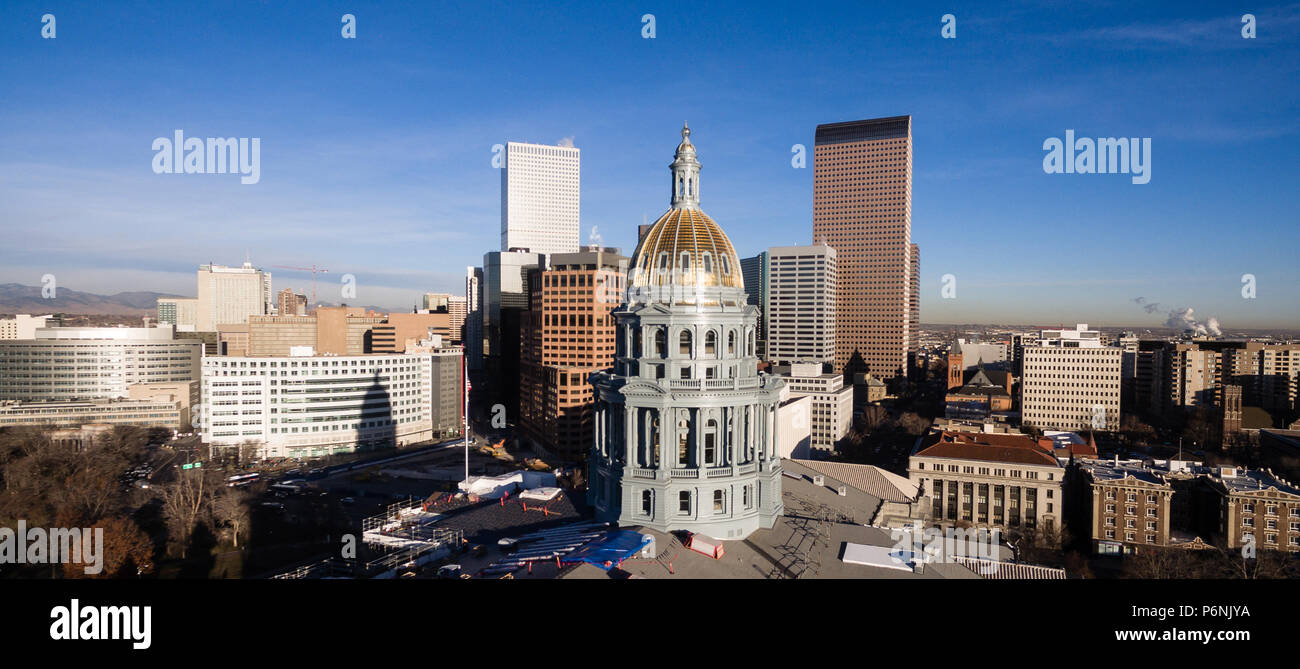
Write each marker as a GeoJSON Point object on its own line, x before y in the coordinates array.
{"type": "Point", "coordinates": [376, 152]}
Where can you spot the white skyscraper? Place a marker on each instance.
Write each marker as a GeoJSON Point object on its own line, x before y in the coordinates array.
{"type": "Point", "coordinates": [229, 295]}
{"type": "Point", "coordinates": [801, 304]}
{"type": "Point", "coordinates": [1071, 381]}
{"type": "Point", "coordinates": [539, 198]}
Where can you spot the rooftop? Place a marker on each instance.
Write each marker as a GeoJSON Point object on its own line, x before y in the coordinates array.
{"type": "Point", "coordinates": [984, 446]}
{"type": "Point", "coordinates": [808, 541]}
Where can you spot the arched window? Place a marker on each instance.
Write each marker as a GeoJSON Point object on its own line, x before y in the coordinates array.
{"type": "Point", "coordinates": [647, 502]}
{"type": "Point", "coordinates": [661, 342]}
{"type": "Point", "coordinates": [749, 344]}
{"type": "Point", "coordinates": [685, 262]}
{"type": "Point", "coordinates": [726, 265]}
{"type": "Point", "coordinates": [684, 343]}
{"type": "Point", "coordinates": [731, 342]}
{"type": "Point", "coordinates": [654, 441]}
{"type": "Point", "coordinates": [683, 443]}
{"type": "Point", "coordinates": [636, 341]}
{"type": "Point", "coordinates": [710, 442]}
{"type": "Point", "coordinates": [663, 260]}
{"type": "Point", "coordinates": [706, 262]}
{"type": "Point", "coordinates": [710, 343]}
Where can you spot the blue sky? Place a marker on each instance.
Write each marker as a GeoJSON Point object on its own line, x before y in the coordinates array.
{"type": "Point", "coordinates": [376, 151]}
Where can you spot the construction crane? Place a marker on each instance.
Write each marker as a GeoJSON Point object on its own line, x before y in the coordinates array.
{"type": "Point", "coordinates": [314, 270]}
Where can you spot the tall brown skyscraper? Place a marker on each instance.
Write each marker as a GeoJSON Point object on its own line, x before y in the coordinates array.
{"type": "Point", "coordinates": [565, 336]}
{"type": "Point", "coordinates": [862, 207]}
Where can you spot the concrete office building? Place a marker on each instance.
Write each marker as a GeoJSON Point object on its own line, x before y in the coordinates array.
{"type": "Point", "coordinates": [473, 318]}
{"type": "Point", "coordinates": [801, 300]}
{"type": "Point", "coordinates": [229, 295]}
{"type": "Point", "coordinates": [862, 207]}
{"type": "Point", "coordinates": [276, 335]}
{"type": "Point", "coordinates": [391, 335]}
{"type": "Point", "coordinates": [24, 326]}
{"type": "Point", "coordinates": [1129, 505]}
{"type": "Point", "coordinates": [289, 303]}
{"type": "Point", "coordinates": [566, 335]}
{"type": "Point", "coordinates": [1071, 382]}
{"type": "Point", "coordinates": [306, 406]}
{"type": "Point", "coordinates": [505, 299]}
{"type": "Point", "coordinates": [146, 404]}
{"type": "Point", "coordinates": [156, 412]}
{"type": "Point", "coordinates": [686, 429]}
{"type": "Point", "coordinates": [1002, 481]}
{"type": "Point", "coordinates": [454, 305]}
{"type": "Point", "coordinates": [539, 198]}
{"type": "Point", "coordinates": [832, 404]}
{"type": "Point", "coordinates": [755, 272]}
{"type": "Point", "coordinates": [1125, 505]}
{"type": "Point", "coordinates": [1184, 375]}
{"type": "Point", "coordinates": [92, 363]}
{"type": "Point", "coordinates": [232, 339]}
{"type": "Point", "coordinates": [182, 312]}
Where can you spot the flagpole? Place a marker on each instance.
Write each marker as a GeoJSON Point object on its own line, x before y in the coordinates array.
{"type": "Point", "coordinates": [465, 426]}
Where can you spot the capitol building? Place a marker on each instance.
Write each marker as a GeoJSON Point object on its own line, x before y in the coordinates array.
{"type": "Point", "coordinates": [685, 423]}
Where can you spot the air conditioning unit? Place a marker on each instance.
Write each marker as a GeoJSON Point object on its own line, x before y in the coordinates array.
{"type": "Point", "coordinates": [844, 491]}
{"type": "Point", "coordinates": [818, 479]}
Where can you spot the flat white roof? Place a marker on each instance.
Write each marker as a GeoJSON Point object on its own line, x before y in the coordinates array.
{"type": "Point", "coordinates": [886, 557]}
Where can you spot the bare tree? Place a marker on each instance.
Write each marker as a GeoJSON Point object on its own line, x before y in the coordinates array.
{"type": "Point", "coordinates": [230, 511]}
{"type": "Point", "coordinates": [185, 501]}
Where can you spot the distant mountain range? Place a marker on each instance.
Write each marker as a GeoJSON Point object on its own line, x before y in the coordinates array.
{"type": "Point", "coordinates": [16, 298]}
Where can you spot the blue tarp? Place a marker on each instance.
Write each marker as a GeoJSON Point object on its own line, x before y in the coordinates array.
{"type": "Point", "coordinates": [615, 547]}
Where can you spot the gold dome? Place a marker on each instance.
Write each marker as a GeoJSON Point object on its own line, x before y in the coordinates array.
{"type": "Point", "coordinates": [686, 248]}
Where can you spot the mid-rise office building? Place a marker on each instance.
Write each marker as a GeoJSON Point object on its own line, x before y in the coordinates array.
{"type": "Point", "coordinates": [1003, 481]}
{"type": "Point", "coordinates": [306, 406]}
{"type": "Point", "coordinates": [862, 207]}
{"type": "Point", "coordinates": [831, 411]}
{"type": "Point", "coordinates": [801, 304]}
{"type": "Point", "coordinates": [540, 198]}
{"type": "Point", "coordinates": [182, 312]}
{"type": "Point", "coordinates": [566, 335]}
{"type": "Point", "coordinates": [1071, 382]}
{"type": "Point", "coordinates": [91, 363]}
{"type": "Point", "coordinates": [1185, 375]}
{"type": "Point", "coordinates": [505, 298]}
{"type": "Point", "coordinates": [229, 295]}
{"type": "Point", "coordinates": [24, 326]}
{"type": "Point", "coordinates": [391, 335]}
{"type": "Point", "coordinates": [755, 272]}
{"type": "Point", "coordinates": [289, 303]}
{"type": "Point", "coordinates": [473, 318]}
{"type": "Point", "coordinates": [147, 404]}
{"type": "Point", "coordinates": [1128, 506]}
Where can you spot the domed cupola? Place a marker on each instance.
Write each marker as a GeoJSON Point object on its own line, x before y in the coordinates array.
{"type": "Point", "coordinates": [686, 258]}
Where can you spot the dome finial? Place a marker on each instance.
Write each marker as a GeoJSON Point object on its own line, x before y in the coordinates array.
{"type": "Point", "coordinates": [686, 173]}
